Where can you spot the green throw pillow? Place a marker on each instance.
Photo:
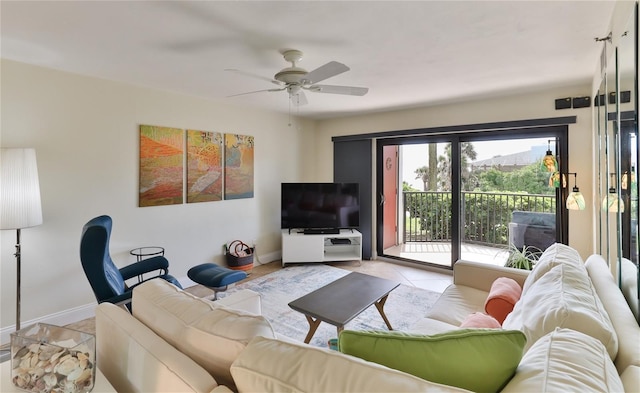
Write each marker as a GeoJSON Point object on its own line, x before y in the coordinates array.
{"type": "Point", "coordinates": [481, 360]}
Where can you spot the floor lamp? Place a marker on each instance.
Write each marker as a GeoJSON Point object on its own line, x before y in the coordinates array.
{"type": "Point", "coordinates": [19, 200]}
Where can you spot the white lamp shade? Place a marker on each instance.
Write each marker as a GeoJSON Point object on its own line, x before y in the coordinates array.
{"type": "Point", "coordinates": [575, 201]}
{"type": "Point", "coordinates": [612, 204]}
{"type": "Point", "coordinates": [19, 189]}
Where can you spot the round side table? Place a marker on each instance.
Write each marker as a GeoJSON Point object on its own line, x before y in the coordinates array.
{"type": "Point", "coordinates": [146, 252]}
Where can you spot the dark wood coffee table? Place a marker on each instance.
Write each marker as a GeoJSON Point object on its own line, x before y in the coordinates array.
{"type": "Point", "coordinates": [344, 299]}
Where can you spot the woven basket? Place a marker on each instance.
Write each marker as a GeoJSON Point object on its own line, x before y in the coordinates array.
{"type": "Point", "coordinates": [244, 261]}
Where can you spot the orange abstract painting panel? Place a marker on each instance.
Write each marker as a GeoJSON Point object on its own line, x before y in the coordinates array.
{"type": "Point", "coordinates": [161, 165]}
{"type": "Point", "coordinates": [204, 166]}
{"type": "Point", "coordinates": [238, 166]}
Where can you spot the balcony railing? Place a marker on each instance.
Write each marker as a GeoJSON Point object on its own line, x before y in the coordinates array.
{"type": "Point", "coordinates": [485, 215]}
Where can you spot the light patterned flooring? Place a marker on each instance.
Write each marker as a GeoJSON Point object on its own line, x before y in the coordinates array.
{"type": "Point", "coordinates": [404, 274]}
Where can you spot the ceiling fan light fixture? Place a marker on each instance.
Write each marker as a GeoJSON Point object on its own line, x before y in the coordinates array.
{"type": "Point", "coordinates": [294, 79]}
{"type": "Point", "coordinates": [290, 75]}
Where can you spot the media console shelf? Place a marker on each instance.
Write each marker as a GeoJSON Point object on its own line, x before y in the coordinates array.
{"type": "Point", "coordinates": [300, 248]}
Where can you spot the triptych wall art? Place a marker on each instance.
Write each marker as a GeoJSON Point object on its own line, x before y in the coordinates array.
{"type": "Point", "coordinates": [217, 167]}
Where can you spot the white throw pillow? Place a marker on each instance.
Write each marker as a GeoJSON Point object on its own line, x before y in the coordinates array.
{"type": "Point", "coordinates": [566, 361]}
{"type": "Point", "coordinates": [564, 297]}
{"type": "Point", "coordinates": [553, 256]}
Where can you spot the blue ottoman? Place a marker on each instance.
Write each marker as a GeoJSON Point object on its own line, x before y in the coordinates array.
{"type": "Point", "coordinates": [215, 277]}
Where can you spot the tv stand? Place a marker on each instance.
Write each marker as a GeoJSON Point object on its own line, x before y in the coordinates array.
{"type": "Point", "coordinates": [341, 245]}
{"type": "Point", "coordinates": [321, 231]}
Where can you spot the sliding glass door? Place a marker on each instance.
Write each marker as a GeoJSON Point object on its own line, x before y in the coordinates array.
{"type": "Point", "coordinates": [508, 198]}
{"type": "Point", "coordinates": [423, 205]}
{"type": "Point", "coordinates": [475, 196]}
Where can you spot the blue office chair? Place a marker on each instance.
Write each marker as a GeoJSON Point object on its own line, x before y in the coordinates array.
{"type": "Point", "coordinates": [107, 281]}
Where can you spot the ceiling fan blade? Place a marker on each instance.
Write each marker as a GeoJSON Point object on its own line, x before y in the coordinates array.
{"type": "Point", "coordinates": [347, 90]}
{"type": "Point", "coordinates": [256, 91]}
{"type": "Point", "coordinates": [326, 71]}
{"type": "Point", "coordinates": [249, 74]}
{"type": "Point", "coordinates": [299, 98]}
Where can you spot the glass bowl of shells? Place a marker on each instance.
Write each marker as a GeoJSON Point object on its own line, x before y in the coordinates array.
{"type": "Point", "coordinates": [49, 358]}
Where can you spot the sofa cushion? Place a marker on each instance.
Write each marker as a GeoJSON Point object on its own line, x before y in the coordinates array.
{"type": "Point", "coordinates": [303, 368]}
{"type": "Point", "coordinates": [566, 361]}
{"type": "Point", "coordinates": [213, 339]}
{"type": "Point", "coordinates": [504, 294]}
{"type": "Point", "coordinates": [430, 326]}
{"type": "Point", "coordinates": [456, 303]}
{"type": "Point", "coordinates": [481, 360]}
{"type": "Point", "coordinates": [553, 256]}
{"type": "Point", "coordinates": [480, 320]}
{"type": "Point", "coordinates": [563, 297]}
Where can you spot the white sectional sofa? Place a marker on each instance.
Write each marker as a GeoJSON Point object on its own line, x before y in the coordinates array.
{"type": "Point", "coordinates": [176, 342]}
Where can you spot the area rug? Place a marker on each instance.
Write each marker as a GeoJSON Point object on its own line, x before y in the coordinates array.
{"type": "Point", "coordinates": [404, 307]}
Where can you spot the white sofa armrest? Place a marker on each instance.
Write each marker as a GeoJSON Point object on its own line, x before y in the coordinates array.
{"type": "Point", "coordinates": [134, 359]}
{"type": "Point", "coordinates": [243, 300]}
{"type": "Point", "coordinates": [631, 379]}
{"type": "Point", "coordinates": [481, 276]}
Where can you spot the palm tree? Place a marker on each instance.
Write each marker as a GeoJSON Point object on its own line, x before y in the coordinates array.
{"type": "Point", "coordinates": [467, 154]}
{"type": "Point", "coordinates": [422, 173]}
{"type": "Point", "coordinates": [433, 167]}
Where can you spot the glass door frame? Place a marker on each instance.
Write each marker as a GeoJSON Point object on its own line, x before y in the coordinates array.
{"type": "Point", "coordinates": [558, 132]}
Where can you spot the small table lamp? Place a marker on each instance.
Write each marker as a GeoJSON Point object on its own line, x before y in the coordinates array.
{"type": "Point", "coordinates": [19, 199]}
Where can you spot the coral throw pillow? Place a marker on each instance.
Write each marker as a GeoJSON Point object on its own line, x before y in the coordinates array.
{"type": "Point", "coordinates": [504, 294]}
{"type": "Point", "coordinates": [480, 320]}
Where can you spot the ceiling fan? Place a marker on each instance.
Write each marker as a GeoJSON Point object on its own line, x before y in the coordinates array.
{"type": "Point", "coordinates": [295, 79]}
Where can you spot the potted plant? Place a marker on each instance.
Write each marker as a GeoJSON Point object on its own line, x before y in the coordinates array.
{"type": "Point", "coordinates": [524, 258]}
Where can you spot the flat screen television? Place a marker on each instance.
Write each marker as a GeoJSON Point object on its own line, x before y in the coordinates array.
{"type": "Point", "coordinates": [320, 207]}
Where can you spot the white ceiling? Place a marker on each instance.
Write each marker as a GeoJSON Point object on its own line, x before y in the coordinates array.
{"type": "Point", "coordinates": [408, 54]}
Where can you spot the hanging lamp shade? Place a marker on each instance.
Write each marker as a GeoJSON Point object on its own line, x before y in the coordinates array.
{"type": "Point", "coordinates": [549, 160]}
{"type": "Point", "coordinates": [575, 200]}
{"type": "Point", "coordinates": [554, 180]}
{"type": "Point", "coordinates": [628, 177]}
{"type": "Point", "coordinates": [612, 203]}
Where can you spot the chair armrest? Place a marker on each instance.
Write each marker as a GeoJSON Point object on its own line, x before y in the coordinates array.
{"type": "Point", "coordinates": [481, 276]}
{"type": "Point", "coordinates": [145, 266]}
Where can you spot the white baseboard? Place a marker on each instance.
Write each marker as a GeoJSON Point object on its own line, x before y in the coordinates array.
{"type": "Point", "coordinates": [88, 310]}
{"type": "Point", "coordinates": [60, 318]}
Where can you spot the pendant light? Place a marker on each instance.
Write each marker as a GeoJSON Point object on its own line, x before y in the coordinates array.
{"type": "Point", "coordinates": [554, 180]}
{"type": "Point", "coordinates": [626, 177]}
{"type": "Point", "coordinates": [549, 160]}
{"type": "Point", "coordinates": [612, 203]}
{"type": "Point", "coordinates": [575, 200]}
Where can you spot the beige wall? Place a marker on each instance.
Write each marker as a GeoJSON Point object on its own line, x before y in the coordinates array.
{"type": "Point", "coordinates": [519, 107]}
{"type": "Point", "coordinates": [85, 132]}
